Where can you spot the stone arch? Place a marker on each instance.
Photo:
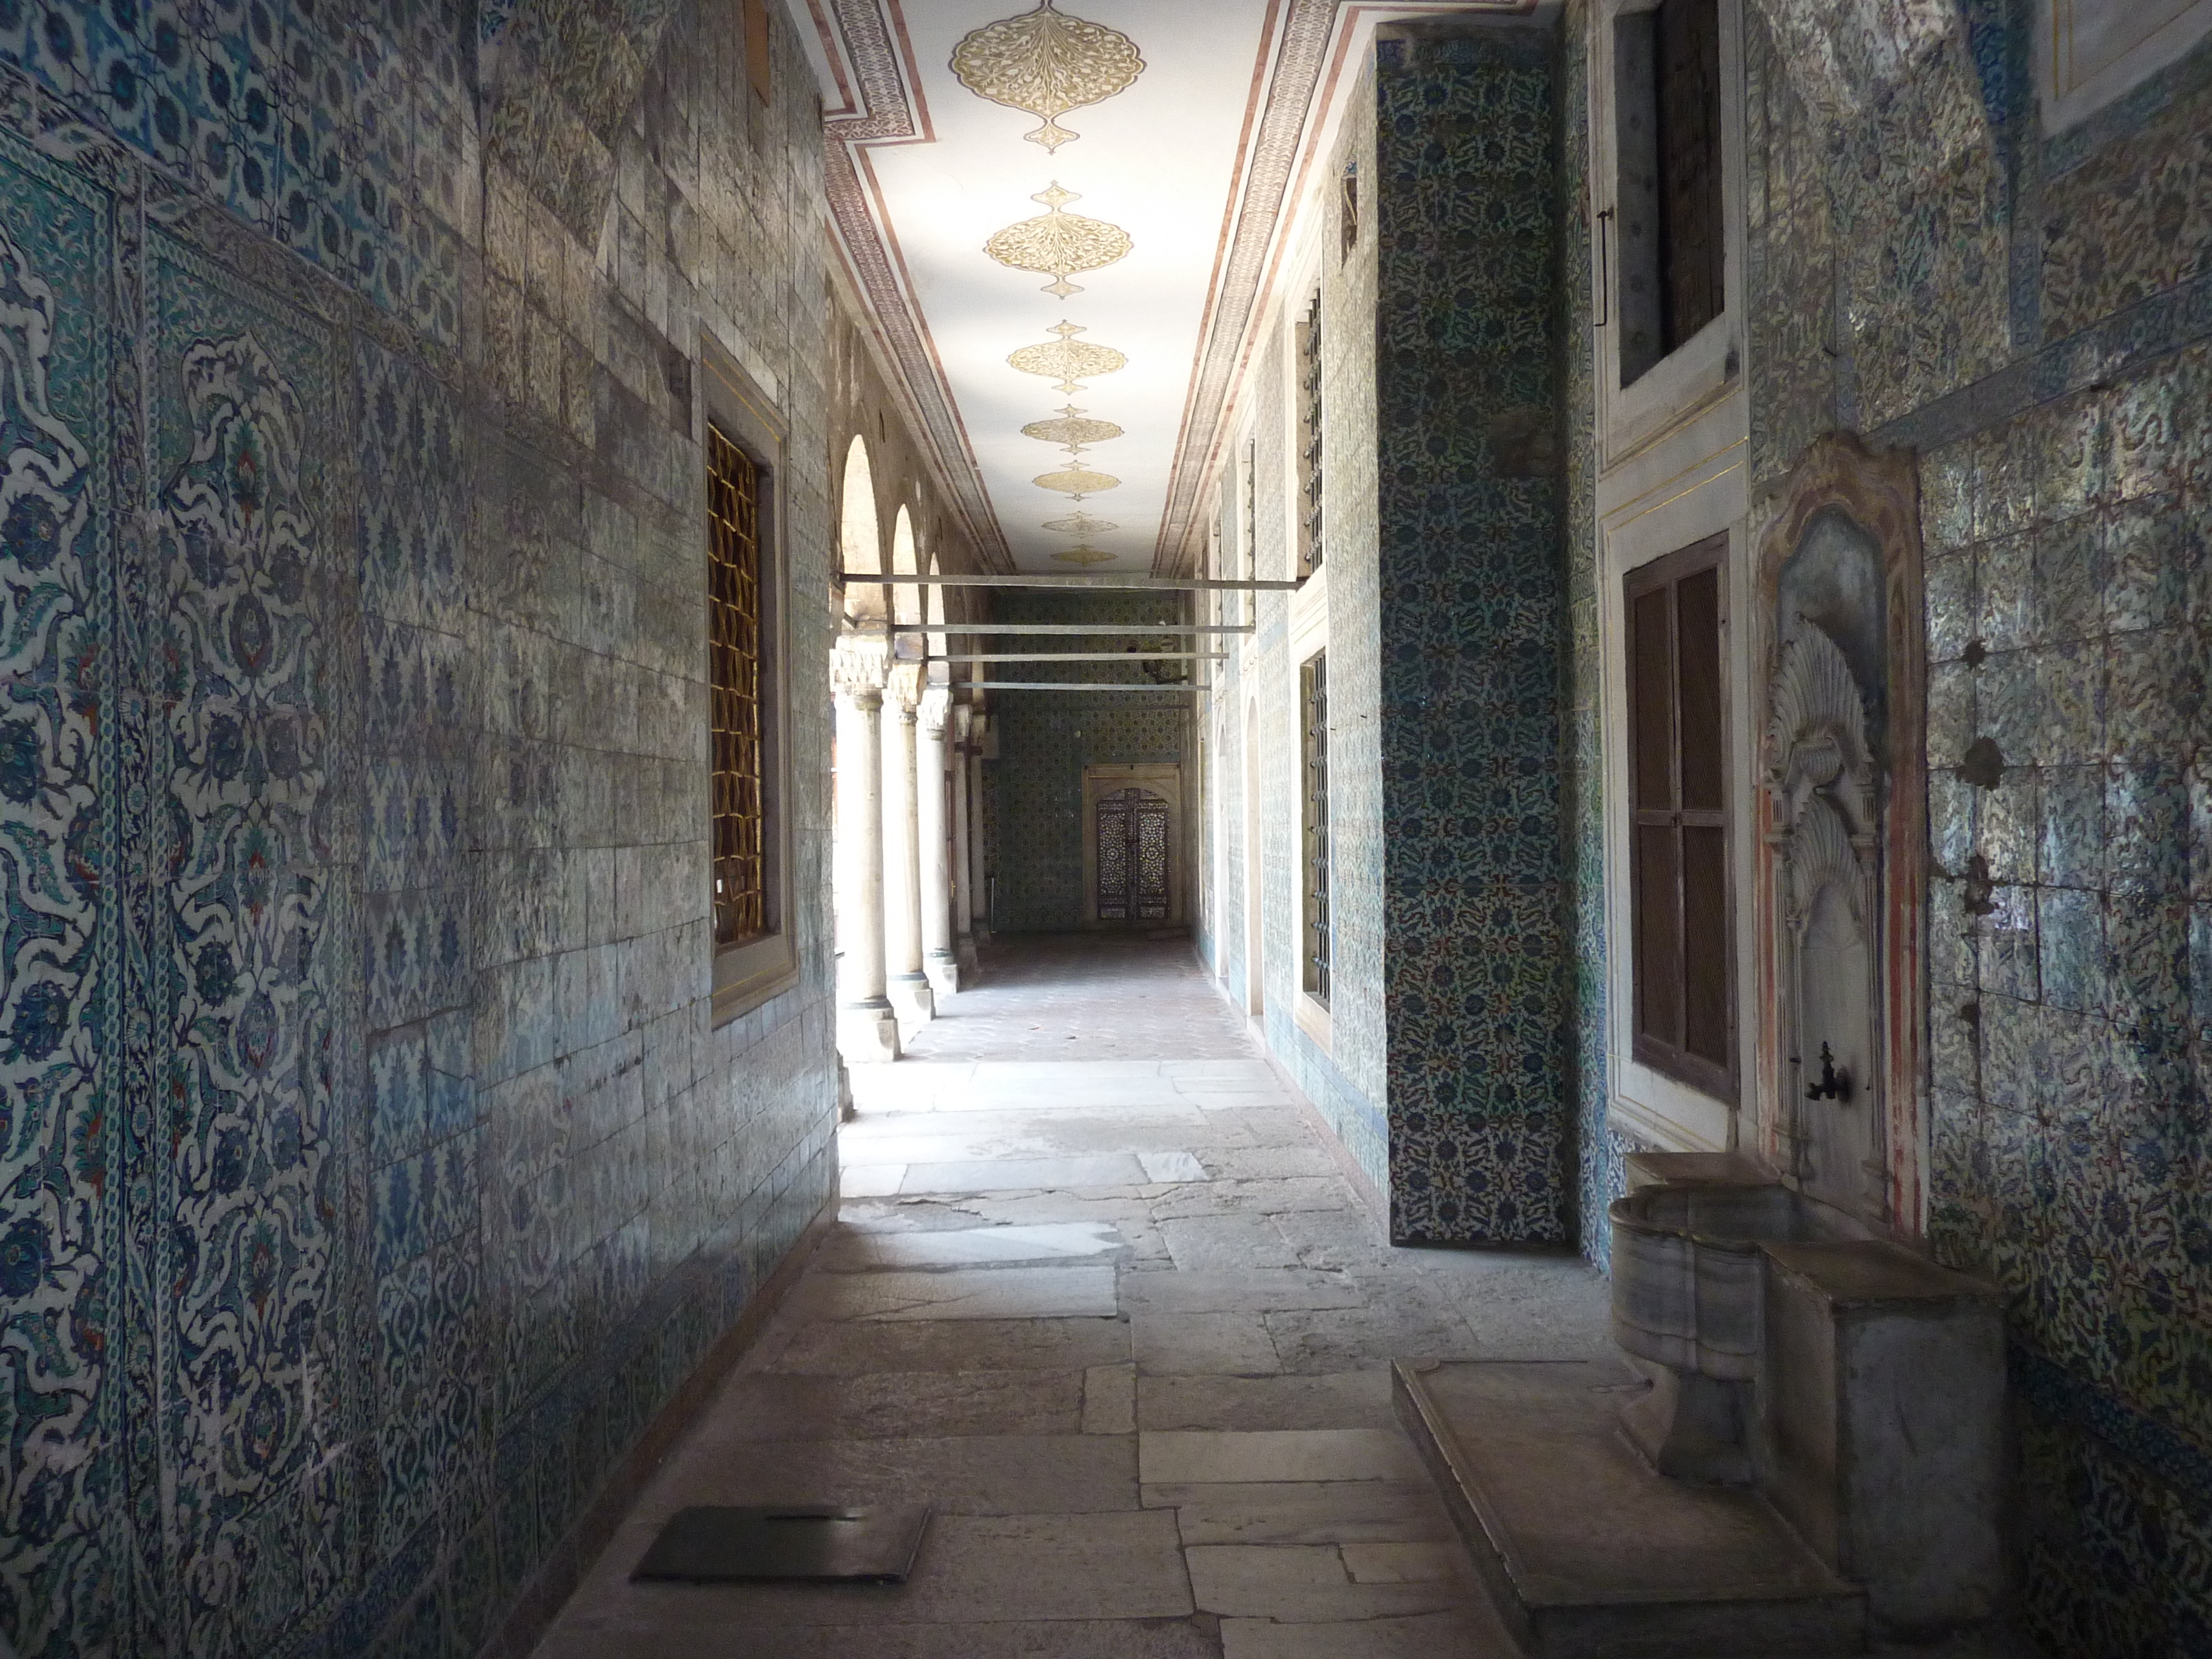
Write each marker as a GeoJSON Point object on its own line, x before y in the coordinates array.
{"type": "Point", "coordinates": [860, 531]}
{"type": "Point", "coordinates": [906, 599]}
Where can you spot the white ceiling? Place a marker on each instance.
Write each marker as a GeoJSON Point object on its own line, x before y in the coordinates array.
{"type": "Point", "coordinates": [1211, 118]}
{"type": "Point", "coordinates": [1157, 160]}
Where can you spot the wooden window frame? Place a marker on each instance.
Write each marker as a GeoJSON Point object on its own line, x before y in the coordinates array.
{"type": "Point", "coordinates": [1317, 936]}
{"type": "Point", "coordinates": [1669, 1053]}
{"type": "Point", "coordinates": [1652, 312]}
{"type": "Point", "coordinates": [748, 970]}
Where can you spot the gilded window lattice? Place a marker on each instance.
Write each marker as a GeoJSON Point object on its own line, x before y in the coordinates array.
{"type": "Point", "coordinates": [1312, 688]}
{"type": "Point", "coordinates": [1046, 64]}
{"type": "Point", "coordinates": [1310, 436]}
{"type": "Point", "coordinates": [733, 606]}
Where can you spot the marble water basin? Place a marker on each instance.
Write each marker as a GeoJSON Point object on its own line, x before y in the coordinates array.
{"type": "Point", "coordinates": [1687, 1277]}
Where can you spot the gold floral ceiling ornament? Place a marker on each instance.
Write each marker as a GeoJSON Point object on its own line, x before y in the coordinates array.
{"type": "Point", "coordinates": [1085, 554]}
{"type": "Point", "coordinates": [1046, 64]}
{"type": "Point", "coordinates": [1077, 481]}
{"type": "Point", "coordinates": [1080, 523]}
{"type": "Point", "coordinates": [1059, 244]}
{"type": "Point", "coordinates": [1072, 430]}
{"type": "Point", "coordinates": [1067, 357]}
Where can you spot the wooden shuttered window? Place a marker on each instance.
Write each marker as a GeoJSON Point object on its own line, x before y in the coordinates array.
{"type": "Point", "coordinates": [1684, 953]}
{"type": "Point", "coordinates": [1688, 62]}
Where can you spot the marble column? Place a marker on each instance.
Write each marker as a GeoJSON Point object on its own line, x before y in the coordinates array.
{"type": "Point", "coordinates": [934, 836]}
{"type": "Point", "coordinates": [979, 891]}
{"type": "Point", "coordinates": [867, 1030]}
{"type": "Point", "coordinates": [905, 984]}
{"type": "Point", "coordinates": [963, 933]}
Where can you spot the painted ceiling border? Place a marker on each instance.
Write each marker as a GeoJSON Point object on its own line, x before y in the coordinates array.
{"type": "Point", "coordinates": [1301, 86]}
{"type": "Point", "coordinates": [866, 61]}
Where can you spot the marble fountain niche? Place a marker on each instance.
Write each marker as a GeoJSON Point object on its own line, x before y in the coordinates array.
{"type": "Point", "coordinates": [1805, 1452]}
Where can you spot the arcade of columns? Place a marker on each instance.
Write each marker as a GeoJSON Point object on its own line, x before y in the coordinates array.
{"type": "Point", "coordinates": [908, 854]}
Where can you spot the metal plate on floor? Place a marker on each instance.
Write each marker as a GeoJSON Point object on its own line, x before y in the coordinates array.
{"type": "Point", "coordinates": [856, 1543]}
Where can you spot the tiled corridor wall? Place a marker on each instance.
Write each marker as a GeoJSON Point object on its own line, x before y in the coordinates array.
{"type": "Point", "coordinates": [1034, 789]}
{"type": "Point", "coordinates": [2031, 313]}
{"type": "Point", "coordinates": [369, 1173]}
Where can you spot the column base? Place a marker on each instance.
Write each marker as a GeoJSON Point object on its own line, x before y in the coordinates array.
{"type": "Point", "coordinates": [942, 969]}
{"type": "Point", "coordinates": [964, 952]}
{"type": "Point", "coordinates": [911, 1000]}
{"type": "Point", "coordinates": [867, 1033]}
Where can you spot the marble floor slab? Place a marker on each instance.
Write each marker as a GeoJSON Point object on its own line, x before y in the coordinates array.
{"type": "Point", "coordinates": [1100, 1294]}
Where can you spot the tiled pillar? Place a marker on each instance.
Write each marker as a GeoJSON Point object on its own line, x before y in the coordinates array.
{"type": "Point", "coordinates": [905, 984]}
{"type": "Point", "coordinates": [934, 833]}
{"type": "Point", "coordinates": [1471, 596]}
{"type": "Point", "coordinates": [866, 1031]}
{"type": "Point", "coordinates": [963, 933]}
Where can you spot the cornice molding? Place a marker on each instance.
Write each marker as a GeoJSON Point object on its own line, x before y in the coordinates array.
{"type": "Point", "coordinates": [857, 40]}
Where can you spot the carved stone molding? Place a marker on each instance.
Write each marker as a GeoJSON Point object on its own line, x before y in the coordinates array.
{"type": "Point", "coordinates": [1844, 790]}
{"type": "Point", "coordinates": [858, 664]}
{"type": "Point", "coordinates": [888, 114]}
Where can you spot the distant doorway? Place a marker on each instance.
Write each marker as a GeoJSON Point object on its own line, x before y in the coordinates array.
{"type": "Point", "coordinates": [1131, 876]}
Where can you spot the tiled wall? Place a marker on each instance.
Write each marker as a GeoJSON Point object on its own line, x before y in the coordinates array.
{"type": "Point", "coordinates": [2034, 315]}
{"type": "Point", "coordinates": [1034, 789]}
{"type": "Point", "coordinates": [1471, 621]}
{"type": "Point", "coordinates": [371, 1172]}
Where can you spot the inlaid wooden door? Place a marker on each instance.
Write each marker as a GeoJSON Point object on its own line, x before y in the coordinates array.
{"type": "Point", "coordinates": [1133, 846]}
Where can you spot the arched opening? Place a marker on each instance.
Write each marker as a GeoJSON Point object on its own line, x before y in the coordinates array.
{"type": "Point", "coordinates": [860, 532]}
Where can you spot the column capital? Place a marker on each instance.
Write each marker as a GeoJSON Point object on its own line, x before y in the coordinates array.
{"type": "Point", "coordinates": [961, 716]}
{"type": "Point", "coordinates": [936, 703]}
{"type": "Point", "coordinates": [902, 688]}
{"type": "Point", "coordinates": [858, 664]}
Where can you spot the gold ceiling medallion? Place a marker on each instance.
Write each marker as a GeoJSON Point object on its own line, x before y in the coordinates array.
{"type": "Point", "coordinates": [1058, 244]}
{"type": "Point", "coordinates": [1076, 433]}
{"type": "Point", "coordinates": [1045, 64]}
{"type": "Point", "coordinates": [1080, 523]}
{"type": "Point", "coordinates": [1083, 555]}
{"type": "Point", "coordinates": [1077, 481]}
{"type": "Point", "coordinates": [1067, 357]}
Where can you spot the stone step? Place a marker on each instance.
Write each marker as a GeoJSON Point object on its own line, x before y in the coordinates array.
{"type": "Point", "coordinates": [1591, 1555]}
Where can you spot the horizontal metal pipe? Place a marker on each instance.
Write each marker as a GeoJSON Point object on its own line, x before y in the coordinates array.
{"type": "Point", "coordinates": [1057, 628]}
{"type": "Point", "coordinates": [1155, 584]}
{"type": "Point", "coordinates": [1074, 685]}
{"type": "Point", "coordinates": [1130, 657]}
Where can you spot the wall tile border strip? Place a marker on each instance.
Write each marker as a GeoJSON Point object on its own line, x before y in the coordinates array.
{"type": "Point", "coordinates": [2057, 1393]}
{"type": "Point", "coordinates": [2118, 346]}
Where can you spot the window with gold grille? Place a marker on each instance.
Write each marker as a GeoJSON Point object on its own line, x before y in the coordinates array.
{"type": "Point", "coordinates": [1313, 732]}
{"type": "Point", "coordinates": [735, 650]}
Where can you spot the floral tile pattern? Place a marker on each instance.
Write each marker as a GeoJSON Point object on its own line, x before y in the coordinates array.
{"type": "Point", "coordinates": [1472, 613]}
{"type": "Point", "coordinates": [2068, 633]}
{"type": "Point", "coordinates": [348, 1177]}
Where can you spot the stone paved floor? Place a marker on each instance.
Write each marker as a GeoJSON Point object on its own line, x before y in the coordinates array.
{"type": "Point", "coordinates": [1121, 1320]}
{"type": "Point", "coordinates": [1085, 996]}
